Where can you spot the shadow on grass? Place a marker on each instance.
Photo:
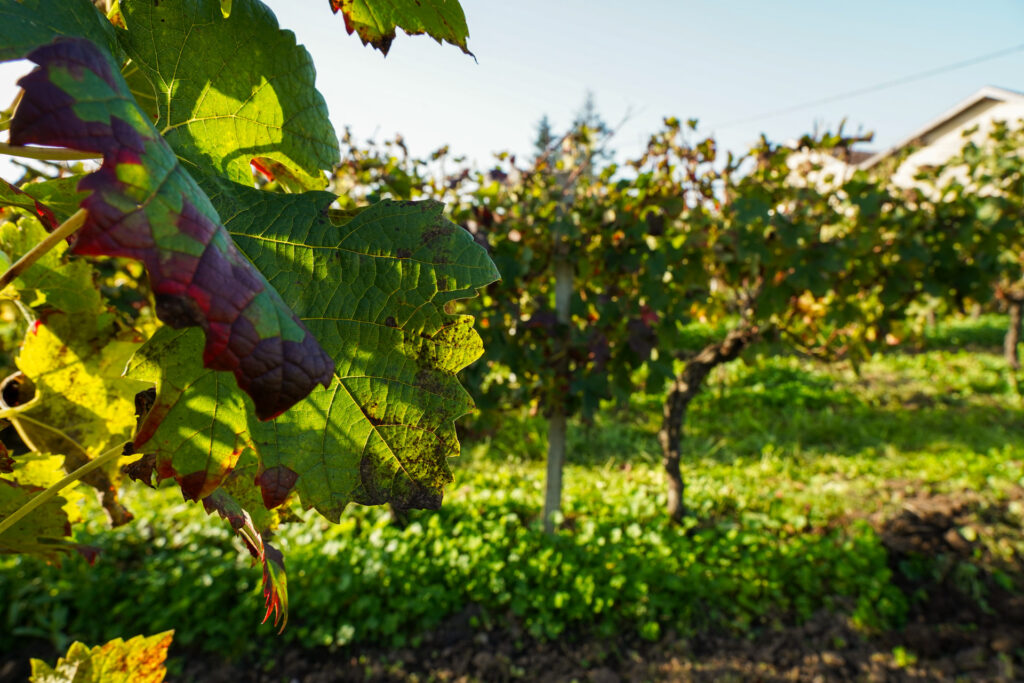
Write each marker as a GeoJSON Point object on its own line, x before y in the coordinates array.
{"type": "Point", "coordinates": [855, 429]}
{"type": "Point", "coordinates": [934, 402]}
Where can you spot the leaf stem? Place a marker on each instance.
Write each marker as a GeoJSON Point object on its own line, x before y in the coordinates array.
{"type": "Point", "coordinates": [8, 113]}
{"type": "Point", "coordinates": [46, 153]}
{"type": "Point", "coordinates": [52, 430]}
{"type": "Point", "coordinates": [54, 489]}
{"type": "Point", "coordinates": [63, 231]}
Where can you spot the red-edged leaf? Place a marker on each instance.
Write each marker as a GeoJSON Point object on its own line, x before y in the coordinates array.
{"type": "Point", "coordinates": [6, 461]}
{"type": "Point", "coordinates": [275, 584]}
{"type": "Point", "coordinates": [11, 195]}
{"type": "Point", "coordinates": [375, 21]}
{"type": "Point", "coordinates": [144, 205]}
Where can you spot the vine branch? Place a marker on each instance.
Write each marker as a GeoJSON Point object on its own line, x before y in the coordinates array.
{"type": "Point", "coordinates": [46, 153]}
{"type": "Point", "coordinates": [56, 488]}
{"type": "Point", "coordinates": [63, 231]}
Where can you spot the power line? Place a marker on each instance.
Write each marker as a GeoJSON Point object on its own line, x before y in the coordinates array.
{"type": "Point", "coordinates": [874, 88]}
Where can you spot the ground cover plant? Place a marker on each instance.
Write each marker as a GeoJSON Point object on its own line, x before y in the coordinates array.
{"type": "Point", "coordinates": [803, 519]}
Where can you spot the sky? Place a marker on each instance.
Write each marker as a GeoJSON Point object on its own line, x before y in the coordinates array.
{"type": "Point", "coordinates": [720, 61]}
{"type": "Point", "coordinates": [728, 63]}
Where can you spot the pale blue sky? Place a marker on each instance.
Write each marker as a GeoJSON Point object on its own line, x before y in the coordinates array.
{"type": "Point", "coordinates": [717, 61]}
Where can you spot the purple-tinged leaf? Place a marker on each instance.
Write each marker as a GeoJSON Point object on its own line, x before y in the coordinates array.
{"type": "Point", "coordinates": [378, 299]}
{"type": "Point", "coordinates": [144, 205]}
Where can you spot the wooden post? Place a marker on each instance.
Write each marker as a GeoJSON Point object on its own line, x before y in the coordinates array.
{"type": "Point", "coordinates": [564, 270]}
{"type": "Point", "coordinates": [1011, 340]}
{"type": "Point", "coordinates": [557, 421]}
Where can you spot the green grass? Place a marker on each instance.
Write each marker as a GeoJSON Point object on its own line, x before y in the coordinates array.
{"type": "Point", "coordinates": [984, 332]}
{"type": "Point", "coordinates": [786, 460]}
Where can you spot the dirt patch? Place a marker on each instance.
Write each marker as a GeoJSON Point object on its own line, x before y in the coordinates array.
{"type": "Point", "coordinates": [825, 648]}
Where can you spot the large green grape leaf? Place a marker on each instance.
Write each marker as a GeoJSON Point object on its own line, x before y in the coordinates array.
{"type": "Point", "coordinates": [231, 89]}
{"type": "Point", "coordinates": [138, 660]}
{"type": "Point", "coordinates": [27, 24]}
{"type": "Point", "coordinates": [375, 290]}
{"type": "Point", "coordinates": [375, 21]}
{"type": "Point", "coordinates": [144, 205]}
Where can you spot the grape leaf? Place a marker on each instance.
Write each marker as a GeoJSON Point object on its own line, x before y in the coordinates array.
{"type": "Point", "coordinates": [27, 24]}
{"type": "Point", "coordinates": [45, 532]}
{"type": "Point", "coordinates": [387, 275]}
{"type": "Point", "coordinates": [11, 195]}
{"type": "Point", "coordinates": [73, 364]}
{"type": "Point", "coordinates": [139, 660]}
{"type": "Point", "coordinates": [375, 21]}
{"type": "Point", "coordinates": [42, 533]}
{"type": "Point", "coordinates": [67, 286]}
{"type": "Point", "coordinates": [187, 395]}
{"type": "Point", "coordinates": [44, 470]}
{"type": "Point", "coordinates": [145, 206]}
{"type": "Point", "coordinates": [52, 200]}
{"type": "Point", "coordinates": [374, 289]}
{"type": "Point", "coordinates": [232, 89]}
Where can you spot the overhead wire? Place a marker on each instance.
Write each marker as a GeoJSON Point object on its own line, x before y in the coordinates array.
{"type": "Point", "coordinates": [921, 75]}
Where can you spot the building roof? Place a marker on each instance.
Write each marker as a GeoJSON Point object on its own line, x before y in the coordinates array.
{"type": "Point", "coordinates": [961, 112]}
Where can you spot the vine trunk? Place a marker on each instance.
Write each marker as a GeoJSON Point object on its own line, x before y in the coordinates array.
{"type": "Point", "coordinates": [684, 388]}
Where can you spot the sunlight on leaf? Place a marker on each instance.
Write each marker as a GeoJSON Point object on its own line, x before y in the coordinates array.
{"type": "Point", "coordinates": [138, 660]}
{"type": "Point", "coordinates": [231, 89]}
{"type": "Point", "coordinates": [375, 290]}
{"type": "Point", "coordinates": [145, 206]}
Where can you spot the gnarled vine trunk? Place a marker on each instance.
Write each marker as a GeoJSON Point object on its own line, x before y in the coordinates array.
{"type": "Point", "coordinates": [683, 390]}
